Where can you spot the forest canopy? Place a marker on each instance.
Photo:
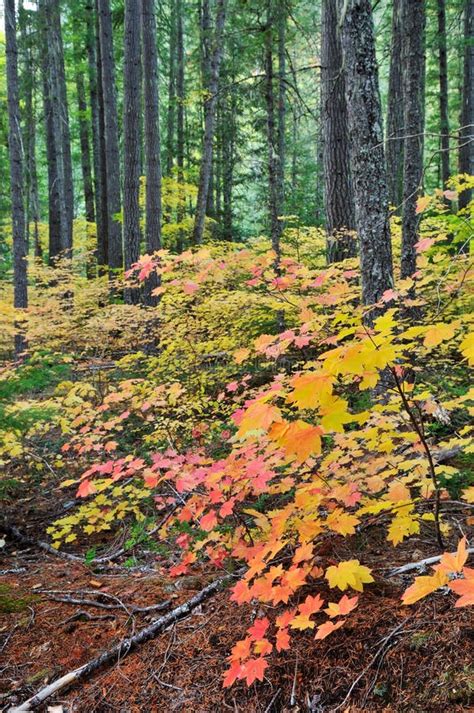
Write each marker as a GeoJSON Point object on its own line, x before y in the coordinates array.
{"type": "Point", "coordinates": [236, 345]}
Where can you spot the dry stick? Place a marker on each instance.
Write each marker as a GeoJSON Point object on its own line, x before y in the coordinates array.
{"type": "Point", "coordinates": [421, 564]}
{"type": "Point", "coordinates": [123, 648]}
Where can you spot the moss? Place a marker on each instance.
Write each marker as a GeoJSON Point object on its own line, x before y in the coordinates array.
{"type": "Point", "coordinates": [11, 601]}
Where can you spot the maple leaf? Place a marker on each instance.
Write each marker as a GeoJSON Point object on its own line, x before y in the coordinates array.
{"type": "Point", "coordinates": [342, 607]}
{"type": "Point", "coordinates": [284, 619]}
{"type": "Point", "coordinates": [348, 574]}
{"type": "Point", "coordinates": [303, 553]}
{"type": "Point", "coordinates": [298, 439]}
{"type": "Point", "coordinates": [241, 650]}
{"type": "Point", "coordinates": [262, 647]}
{"type": "Point", "coordinates": [422, 203]}
{"type": "Point", "coordinates": [232, 674]}
{"type": "Point", "coordinates": [438, 333]}
{"type": "Point", "coordinates": [422, 586]}
{"type": "Point", "coordinates": [311, 605]}
{"type": "Point", "coordinates": [302, 622]}
{"type": "Point", "coordinates": [258, 416]}
{"type": "Point", "coordinates": [328, 628]}
{"type": "Point", "coordinates": [208, 522]}
{"type": "Point", "coordinates": [282, 640]}
{"type": "Point", "coordinates": [294, 577]}
{"type": "Point", "coordinates": [259, 628]}
{"type": "Point", "coordinates": [253, 670]}
{"type": "Point", "coordinates": [467, 348]}
{"type": "Point", "coordinates": [86, 488]}
{"type": "Point", "coordinates": [454, 562]}
{"type": "Point", "coordinates": [241, 592]}
{"type": "Point", "coordinates": [308, 389]}
{"type": "Point", "coordinates": [464, 587]}
{"type": "Point", "coordinates": [342, 522]}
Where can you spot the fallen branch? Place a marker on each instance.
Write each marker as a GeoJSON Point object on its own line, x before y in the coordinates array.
{"type": "Point", "coordinates": [120, 650]}
{"type": "Point", "coordinates": [420, 565]}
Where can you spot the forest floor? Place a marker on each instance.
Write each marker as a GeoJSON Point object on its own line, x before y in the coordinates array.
{"type": "Point", "coordinates": [387, 658]}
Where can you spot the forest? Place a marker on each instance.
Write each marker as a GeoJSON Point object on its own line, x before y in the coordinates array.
{"type": "Point", "coordinates": [236, 346]}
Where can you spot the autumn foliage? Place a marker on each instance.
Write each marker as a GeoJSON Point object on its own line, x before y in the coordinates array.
{"type": "Point", "coordinates": [277, 416]}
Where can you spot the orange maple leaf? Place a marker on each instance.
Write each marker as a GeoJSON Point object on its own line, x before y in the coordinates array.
{"type": "Point", "coordinates": [464, 587]}
{"type": "Point", "coordinates": [328, 628]}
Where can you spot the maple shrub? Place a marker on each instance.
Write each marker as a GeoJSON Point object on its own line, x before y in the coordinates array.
{"type": "Point", "coordinates": [279, 416]}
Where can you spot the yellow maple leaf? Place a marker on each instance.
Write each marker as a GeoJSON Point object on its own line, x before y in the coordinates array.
{"type": "Point", "coordinates": [422, 586]}
{"type": "Point", "coordinates": [342, 522]}
{"type": "Point", "coordinates": [437, 333]}
{"type": "Point", "coordinates": [350, 573]}
{"type": "Point", "coordinates": [309, 389]}
{"type": "Point", "coordinates": [467, 348]}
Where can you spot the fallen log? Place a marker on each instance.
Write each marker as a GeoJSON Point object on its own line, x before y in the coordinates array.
{"type": "Point", "coordinates": [120, 650]}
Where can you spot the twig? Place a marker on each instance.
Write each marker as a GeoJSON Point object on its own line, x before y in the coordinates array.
{"type": "Point", "coordinates": [419, 565]}
{"type": "Point", "coordinates": [120, 650]}
{"type": "Point", "coordinates": [269, 707]}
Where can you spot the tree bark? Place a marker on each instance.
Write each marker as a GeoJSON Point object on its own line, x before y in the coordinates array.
{"type": "Point", "coordinates": [20, 278]}
{"type": "Point", "coordinates": [466, 134]}
{"type": "Point", "coordinates": [209, 122]}
{"type": "Point", "coordinates": [395, 142]}
{"type": "Point", "coordinates": [366, 149]}
{"type": "Point", "coordinates": [131, 140]}
{"type": "Point", "coordinates": [98, 133]}
{"type": "Point", "coordinates": [85, 148]}
{"type": "Point", "coordinates": [339, 200]}
{"type": "Point", "coordinates": [413, 66]}
{"type": "Point", "coordinates": [272, 139]}
{"type": "Point", "coordinates": [112, 155]}
{"type": "Point", "coordinates": [152, 142]}
{"type": "Point", "coordinates": [281, 129]}
{"type": "Point", "coordinates": [58, 115]}
{"type": "Point", "coordinates": [443, 93]}
{"type": "Point", "coordinates": [180, 137]}
{"type": "Point", "coordinates": [171, 116]}
{"type": "Point", "coordinates": [28, 89]}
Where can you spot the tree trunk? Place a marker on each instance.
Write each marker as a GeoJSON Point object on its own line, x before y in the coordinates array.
{"type": "Point", "coordinates": [131, 140]}
{"type": "Point", "coordinates": [209, 122]}
{"type": "Point", "coordinates": [171, 117]}
{"type": "Point", "coordinates": [443, 93]}
{"type": "Point", "coordinates": [180, 119]}
{"type": "Point", "coordinates": [466, 134]}
{"type": "Point", "coordinates": [64, 122]}
{"type": "Point", "coordinates": [366, 149]}
{"type": "Point", "coordinates": [54, 218]}
{"type": "Point", "coordinates": [58, 116]}
{"type": "Point", "coordinates": [272, 146]}
{"type": "Point", "coordinates": [112, 155]}
{"type": "Point", "coordinates": [339, 200]}
{"type": "Point", "coordinates": [16, 172]}
{"type": "Point", "coordinates": [85, 149]}
{"type": "Point", "coordinates": [413, 67]}
{"type": "Point", "coordinates": [395, 142]}
{"type": "Point", "coordinates": [28, 82]}
{"type": "Point", "coordinates": [152, 142]}
{"type": "Point", "coordinates": [281, 129]}
{"type": "Point", "coordinates": [98, 133]}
